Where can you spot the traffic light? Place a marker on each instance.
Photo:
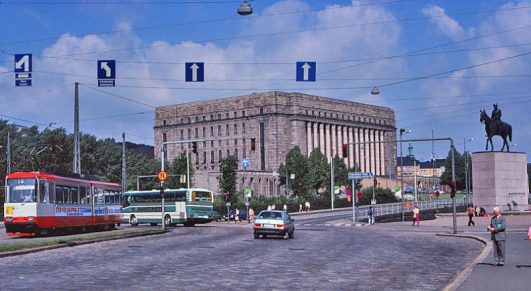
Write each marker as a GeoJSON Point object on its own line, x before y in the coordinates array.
{"type": "Point", "coordinates": [345, 150]}
{"type": "Point", "coordinates": [226, 194]}
{"type": "Point", "coordinates": [454, 188]}
{"type": "Point", "coordinates": [360, 195]}
{"type": "Point", "coordinates": [194, 147]}
{"type": "Point", "coordinates": [253, 144]}
{"type": "Point", "coordinates": [375, 182]}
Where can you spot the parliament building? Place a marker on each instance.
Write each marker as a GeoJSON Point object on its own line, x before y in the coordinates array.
{"type": "Point", "coordinates": [274, 122]}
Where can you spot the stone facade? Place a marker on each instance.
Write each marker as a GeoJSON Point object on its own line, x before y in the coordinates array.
{"type": "Point", "coordinates": [277, 121]}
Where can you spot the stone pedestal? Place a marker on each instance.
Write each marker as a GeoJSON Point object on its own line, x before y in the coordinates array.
{"type": "Point", "coordinates": [499, 178]}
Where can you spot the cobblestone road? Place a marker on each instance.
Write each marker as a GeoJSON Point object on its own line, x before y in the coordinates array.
{"type": "Point", "coordinates": [226, 257]}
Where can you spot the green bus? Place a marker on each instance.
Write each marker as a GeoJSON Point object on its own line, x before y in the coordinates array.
{"type": "Point", "coordinates": [181, 206]}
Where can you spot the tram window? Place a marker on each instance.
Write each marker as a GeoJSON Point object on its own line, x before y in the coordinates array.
{"type": "Point", "coordinates": [42, 192]}
{"type": "Point", "coordinates": [74, 193]}
{"type": "Point", "coordinates": [60, 194]}
{"type": "Point", "coordinates": [51, 191]}
{"type": "Point", "coordinates": [82, 195]}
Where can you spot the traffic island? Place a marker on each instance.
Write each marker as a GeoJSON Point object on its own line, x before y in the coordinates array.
{"type": "Point", "coordinates": [20, 248]}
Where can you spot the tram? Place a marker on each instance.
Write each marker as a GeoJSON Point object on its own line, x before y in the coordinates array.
{"type": "Point", "coordinates": [37, 203]}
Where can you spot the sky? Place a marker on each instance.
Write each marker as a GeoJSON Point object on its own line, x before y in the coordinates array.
{"type": "Point", "coordinates": [435, 63]}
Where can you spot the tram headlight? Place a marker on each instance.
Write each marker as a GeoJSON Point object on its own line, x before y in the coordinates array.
{"type": "Point", "coordinates": [30, 218]}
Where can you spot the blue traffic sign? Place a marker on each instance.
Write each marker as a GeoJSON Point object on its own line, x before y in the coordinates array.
{"type": "Point", "coordinates": [306, 71]}
{"type": "Point", "coordinates": [23, 69]}
{"type": "Point", "coordinates": [23, 63]}
{"type": "Point", "coordinates": [106, 73]}
{"type": "Point", "coordinates": [195, 72]}
{"type": "Point", "coordinates": [360, 175]}
{"type": "Point", "coordinates": [245, 163]}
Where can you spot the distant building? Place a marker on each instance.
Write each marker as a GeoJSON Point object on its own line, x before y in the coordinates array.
{"type": "Point", "coordinates": [277, 122]}
{"type": "Point", "coordinates": [427, 174]}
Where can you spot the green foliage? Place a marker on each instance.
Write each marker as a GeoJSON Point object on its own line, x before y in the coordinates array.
{"type": "Point", "coordinates": [319, 171]}
{"type": "Point", "coordinates": [382, 195]}
{"type": "Point", "coordinates": [297, 164]}
{"type": "Point", "coordinates": [459, 161]}
{"type": "Point", "coordinates": [178, 167]}
{"type": "Point", "coordinates": [227, 177]}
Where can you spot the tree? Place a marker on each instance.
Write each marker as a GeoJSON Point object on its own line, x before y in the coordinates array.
{"type": "Point", "coordinates": [446, 177]}
{"type": "Point", "coordinates": [178, 167]}
{"type": "Point", "coordinates": [381, 195]}
{"type": "Point", "coordinates": [227, 177]}
{"type": "Point", "coordinates": [319, 171]}
{"type": "Point", "coordinates": [297, 164]}
{"type": "Point", "coordinates": [341, 171]}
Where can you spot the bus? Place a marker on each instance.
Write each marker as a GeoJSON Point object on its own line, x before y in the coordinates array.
{"type": "Point", "coordinates": [181, 206]}
{"type": "Point", "coordinates": [37, 203]}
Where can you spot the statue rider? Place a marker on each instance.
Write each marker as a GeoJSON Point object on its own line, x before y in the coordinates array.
{"type": "Point", "coordinates": [496, 117]}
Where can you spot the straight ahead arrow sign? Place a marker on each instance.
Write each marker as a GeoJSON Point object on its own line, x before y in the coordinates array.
{"type": "Point", "coordinates": [194, 68]}
{"type": "Point", "coordinates": [306, 71]}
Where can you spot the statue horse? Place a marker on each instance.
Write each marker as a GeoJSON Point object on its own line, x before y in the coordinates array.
{"type": "Point", "coordinates": [504, 130]}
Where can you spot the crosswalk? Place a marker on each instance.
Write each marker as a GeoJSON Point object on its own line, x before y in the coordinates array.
{"type": "Point", "coordinates": [334, 224]}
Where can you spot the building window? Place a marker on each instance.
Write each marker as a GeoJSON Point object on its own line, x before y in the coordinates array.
{"type": "Point", "coordinates": [189, 135]}
{"type": "Point", "coordinates": [211, 133]}
{"type": "Point", "coordinates": [235, 129]}
{"type": "Point", "coordinates": [219, 116]}
{"type": "Point", "coordinates": [220, 156]}
{"type": "Point", "coordinates": [196, 118]}
{"type": "Point", "coordinates": [227, 129]}
{"type": "Point", "coordinates": [236, 153]}
{"type": "Point", "coordinates": [243, 128]}
{"type": "Point", "coordinates": [219, 143]}
{"type": "Point", "coordinates": [211, 143]}
{"type": "Point", "coordinates": [164, 123]}
{"type": "Point", "coordinates": [204, 118]}
{"type": "Point", "coordinates": [228, 152]}
{"type": "Point", "coordinates": [325, 115]}
{"type": "Point", "coordinates": [189, 120]}
{"type": "Point", "coordinates": [243, 113]}
{"type": "Point", "coordinates": [261, 110]}
{"type": "Point", "coordinates": [219, 130]}
{"type": "Point", "coordinates": [211, 117]}
{"type": "Point", "coordinates": [313, 113]}
{"type": "Point", "coordinates": [182, 121]}
{"type": "Point", "coordinates": [235, 142]}
{"type": "Point", "coordinates": [182, 136]}
{"type": "Point", "coordinates": [204, 144]}
{"type": "Point", "coordinates": [319, 113]}
{"type": "Point", "coordinates": [196, 134]}
{"type": "Point", "coordinates": [211, 158]}
{"type": "Point", "coordinates": [204, 159]}
{"type": "Point", "coordinates": [227, 115]}
{"type": "Point", "coordinates": [306, 111]}
{"type": "Point", "coordinates": [343, 116]}
{"type": "Point", "coordinates": [235, 114]}
{"type": "Point", "coordinates": [164, 139]}
{"type": "Point", "coordinates": [204, 134]}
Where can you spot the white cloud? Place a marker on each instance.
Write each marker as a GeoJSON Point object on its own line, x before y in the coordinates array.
{"type": "Point", "coordinates": [445, 24]}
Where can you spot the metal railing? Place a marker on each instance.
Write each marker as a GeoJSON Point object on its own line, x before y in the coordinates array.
{"type": "Point", "coordinates": [396, 208]}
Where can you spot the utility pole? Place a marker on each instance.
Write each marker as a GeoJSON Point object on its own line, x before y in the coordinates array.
{"type": "Point", "coordinates": [124, 165]}
{"type": "Point", "coordinates": [188, 169]}
{"type": "Point", "coordinates": [332, 181]}
{"type": "Point", "coordinates": [8, 153]}
{"type": "Point", "coordinates": [77, 152]}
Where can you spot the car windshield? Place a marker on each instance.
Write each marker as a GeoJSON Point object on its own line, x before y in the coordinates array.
{"type": "Point", "coordinates": [270, 215]}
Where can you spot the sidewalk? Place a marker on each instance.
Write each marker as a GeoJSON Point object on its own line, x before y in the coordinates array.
{"type": "Point", "coordinates": [482, 274]}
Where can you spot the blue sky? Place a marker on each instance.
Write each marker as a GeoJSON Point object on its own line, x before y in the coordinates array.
{"type": "Point", "coordinates": [437, 63]}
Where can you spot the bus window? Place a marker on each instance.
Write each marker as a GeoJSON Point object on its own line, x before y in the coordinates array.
{"type": "Point", "coordinates": [202, 196]}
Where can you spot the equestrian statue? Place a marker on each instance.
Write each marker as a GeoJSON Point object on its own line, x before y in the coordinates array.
{"type": "Point", "coordinates": [494, 126]}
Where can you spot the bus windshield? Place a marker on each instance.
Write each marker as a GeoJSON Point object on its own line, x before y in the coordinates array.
{"type": "Point", "coordinates": [21, 190]}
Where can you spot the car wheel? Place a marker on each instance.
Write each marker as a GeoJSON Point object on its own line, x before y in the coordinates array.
{"type": "Point", "coordinates": [133, 221]}
{"type": "Point", "coordinates": [256, 236]}
{"type": "Point", "coordinates": [292, 234]}
{"type": "Point", "coordinates": [167, 220]}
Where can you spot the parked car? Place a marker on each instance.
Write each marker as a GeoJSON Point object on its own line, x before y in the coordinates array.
{"type": "Point", "coordinates": [216, 216]}
{"type": "Point", "coordinates": [274, 222]}
{"type": "Point", "coordinates": [232, 212]}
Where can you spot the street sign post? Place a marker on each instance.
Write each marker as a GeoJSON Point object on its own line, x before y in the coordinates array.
{"type": "Point", "coordinates": [245, 163]}
{"type": "Point", "coordinates": [195, 72]}
{"type": "Point", "coordinates": [360, 175]}
{"type": "Point", "coordinates": [306, 71]}
{"type": "Point", "coordinates": [106, 73]}
{"type": "Point", "coordinates": [23, 69]}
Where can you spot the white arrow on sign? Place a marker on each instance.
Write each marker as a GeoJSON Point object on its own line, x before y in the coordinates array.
{"type": "Point", "coordinates": [306, 71]}
{"type": "Point", "coordinates": [24, 61]}
{"type": "Point", "coordinates": [107, 69]}
{"type": "Point", "coordinates": [194, 68]}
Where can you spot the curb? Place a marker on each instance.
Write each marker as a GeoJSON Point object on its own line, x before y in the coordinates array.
{"type": "Point", "coordinates": [463, 275]}
{"type": "Point", "coordinates": [73, 244]}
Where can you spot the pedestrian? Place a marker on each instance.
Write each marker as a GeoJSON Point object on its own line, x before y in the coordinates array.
{"type": "Point", "coordinates": [471, 212]}
{"type": "Point", "coordinates": [416, 216]}
{"type": "Point", "coordinates": [285, 208]}
{"type": "Point", "coordinates": [371, 216]}
{"type": "Point", "coordinates": [478, 211]}
{"type": "Point", "coordinates": [497, 235]}
{"type": "Point", "coordinates": [273, 207]}
{"type": "Point", "coordinates": [251, 215]}
{"type": "Point", "coordinates": [300, 207]}
{"type": "Point", "coordinates": [269, 207]}
{"type": "Point", "coordinates": [237, 215]}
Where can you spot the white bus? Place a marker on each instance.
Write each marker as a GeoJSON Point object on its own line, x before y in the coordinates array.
{"type": "Point", "coordinates": [181, 206]}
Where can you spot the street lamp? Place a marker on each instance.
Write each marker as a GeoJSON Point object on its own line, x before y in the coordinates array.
{"type": "Point", "coordinates": [466, 168]}
{"type": "Point", "coordinates": [375, 91]}
{"type": "Point", "coordinates": [402, 131]}
{"type": "Point", "coordinates": [245, 8]}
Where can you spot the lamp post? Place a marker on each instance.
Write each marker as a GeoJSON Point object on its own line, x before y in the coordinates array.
{"type": "Point", "coordinates": [402, 131]}
{"type": "Point", "coordinates": [245, 8]}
